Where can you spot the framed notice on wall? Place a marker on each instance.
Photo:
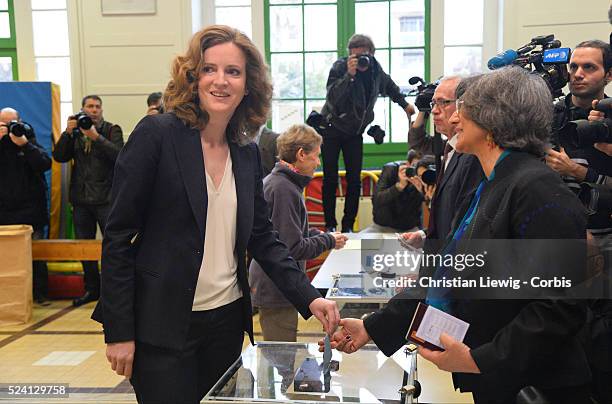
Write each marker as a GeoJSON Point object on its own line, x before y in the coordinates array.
{"type": "Point", "coordinates": [120, 7]}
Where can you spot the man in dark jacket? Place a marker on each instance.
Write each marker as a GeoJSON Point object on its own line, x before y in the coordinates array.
{"type": "Point", "coordinates": [93, 152]}
{"type": "Point", "coordinates": [298, 148]}
{"type": "Point", "coordinates": [396, 203]}
{"type": "Point", "coordinates": [353, 86]}
{"type": "Point", "coordinates": [460, 173]}
{"type": "Point", "coordinates": [578, 164]}
{"type": "Point", "coordinates": [23, 188]}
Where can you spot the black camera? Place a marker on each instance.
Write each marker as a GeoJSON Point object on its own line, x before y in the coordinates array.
{"type": "Point", "coordinates": [410, 172]}
{"type": "Point", "coordinates": [596, 197]}
{"type": "Point", "coordinates": [84, 121]}
{"type": "Point", "coordinates": [363, 61]}
{"type": "Point", "coordinates": [377, 133]}
{"type": "Point", "coordinates": [18, 128]}
{"type": "Point", "coordinates": [585, 133]}
{"type": "Point", "coordinates": [424, 93]}
{"type": "Point", "coordinates": [549, 61]}
{"type": "Point", "coordinates": [428, 176]}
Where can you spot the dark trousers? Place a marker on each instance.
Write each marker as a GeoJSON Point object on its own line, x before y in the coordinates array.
{"type": "Point", "coordinates": [352, 151]}
{"type": "Point", "coordinates": [214, 342]}
{"type": "Point", "coordinates": [40, 273]}
{"type": "Point", "coordinates": [85, 218]}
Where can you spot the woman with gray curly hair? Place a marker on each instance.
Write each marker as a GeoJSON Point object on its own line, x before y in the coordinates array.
{"type": "Point", "coordinates": [504, 119]}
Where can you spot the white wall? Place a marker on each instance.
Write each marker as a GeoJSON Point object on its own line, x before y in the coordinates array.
{"type": "Point", "coordinates": [124, 58]}
{"type": "Point", "coordinates": [571, 21]}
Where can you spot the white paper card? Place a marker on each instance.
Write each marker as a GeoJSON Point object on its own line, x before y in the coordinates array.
{"type": "Point", "coordinates": [436, 321]}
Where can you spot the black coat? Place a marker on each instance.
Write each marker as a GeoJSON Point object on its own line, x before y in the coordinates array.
{"type": "Point", "coordinates": [515, 343]}
{"type": "Point", "coordinates": [23, 188]}
{"type": "Point", "coordinates": [393, 208]}
{"type": "Point", "coordinates": [154, 239]}
{"type": "Point", "coordinates": [346, 107]}
{"type": "Point", "coordinates": [459, 181]}
{"type": "Point", "coordinates": [92, 172]}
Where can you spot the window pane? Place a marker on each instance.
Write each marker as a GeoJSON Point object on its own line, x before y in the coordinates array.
{"type": "Point", "coordinates": [381, 118]}
{"type": "Point", "coordinates": [399, 123]}
{"type": "Point", "coordinates": [50, 33]}
{"type": "Point", "coordinates": [6, 69]}
{"type": "Point", "coordinates": [407, 23]}
{"type": "Point", "coordinates": [405, 64]}
{"type": "Point", "coordinates": [48, 4]}
{"type": "Point", "coordinates": [65, 112]}
{"type": "Point", "coordinates": [285, 28]}
{"type": "Point", "coordinates": [5, 28]}
{"type": "Point", "coordinates": [456, 13]}
{"type": "Point", "coordinates": [382, 56]}
{"type": "Point", "coordinates": [320, 26]}
{"type": "Point", "coordinates": [237, 17]}
{"type": "Point", "coordinates": [319, 1]}
{"type": "Point", "coordinates": [373, 19]}
{"type": "Point", "coordinates": [287, 75]}
{"type": "Point", "coordinates": [317, 71]}
{"type": "Point", "coordinates": [462, 60]}
{"type": "Point", "coordinates": [286, 113]}
{"type": "Point", "coordinates": [316, 105]}
{"type": "Point", "coordinates": [233, 3]}
{"type": "Point", "coordinates": [285, 2]}
{"type": "Point", "coordinates": [3, 5]}
{"type": "Point", "coordinates": [56, 70]}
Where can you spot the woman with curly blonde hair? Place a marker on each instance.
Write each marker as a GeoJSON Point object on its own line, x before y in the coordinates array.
{"type": "Point", "coordinates": [187, 203]}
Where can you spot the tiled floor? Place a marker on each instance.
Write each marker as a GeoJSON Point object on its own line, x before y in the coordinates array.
{"type": "Point", "coordinates": [61, 344]}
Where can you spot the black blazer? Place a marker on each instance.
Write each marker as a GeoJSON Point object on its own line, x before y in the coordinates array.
{"type": "Point", "coordinates": [154, 238]}
{"type": "Point", "coordinates": [459, 181]}
{"type": "Point", "coordinates": [514, 342]}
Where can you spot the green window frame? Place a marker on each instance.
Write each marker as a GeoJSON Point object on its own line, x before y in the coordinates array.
{"type": "Point", "coordinates": [374, 156]}
{"type": "Point", "coordinates": [8, 46]}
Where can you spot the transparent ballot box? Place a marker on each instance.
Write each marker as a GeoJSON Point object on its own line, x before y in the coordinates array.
{"type": "Point", "coordinates": [274, 372]}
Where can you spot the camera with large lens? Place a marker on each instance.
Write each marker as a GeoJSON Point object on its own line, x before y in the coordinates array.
{"type": "Point", "coordinates": [84, 121]}
{"type": "Point", "coordinates": [18, 128]}
{"type": "Point", "coordinates": [543, 56]}
{"type": "Point", "coordinates": [377, 133]}
{"type": "Point", "coordinates": [364, 61]}
{"type": "Point", "coordinates": [585, 133]}
{"type": "Point", "coordinates": [424, 93]}
{"type": "Point", "coordinates": [429, 175]}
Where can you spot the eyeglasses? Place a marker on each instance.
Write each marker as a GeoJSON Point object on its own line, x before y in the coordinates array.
{"type": "Point", "coordinates": [440, 103]}
{"type": "Point", "coordinates": [458, 105]}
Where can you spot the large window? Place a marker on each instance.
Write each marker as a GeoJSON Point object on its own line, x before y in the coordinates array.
{"type": "Point", "coordinates": [235, 13]}
{"type": "Point", "coordinates": [463, 43]}
{"type": "Point", "coordinates": [51, 48]}
{"type": "Point", "coordinates": [398, 30]}
{"type": "Point", "coordinates": [302, 45]}
{"type": "Point", "coordinates": [8, 50]}
{"type": "Point", "coordinates": [304, 38]}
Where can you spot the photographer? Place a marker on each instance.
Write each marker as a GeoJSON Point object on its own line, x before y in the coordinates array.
{"type": "Point", "coordinates": [398, 197]}
{"type": "Point", "coordinates": [23, 188]}
{"type": "Point", "coordinates": [459, 174]}
{"type": "Point", "coordinates": [353, 86]}
{"type": "Point", "coordinates": [93, 151]}
{"type": "Point", "coordinates": [154, 104]}
{"type": "Point", "coordinates": [578, 163]}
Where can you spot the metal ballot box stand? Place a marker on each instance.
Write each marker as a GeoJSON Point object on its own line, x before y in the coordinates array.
{"type": "Point", "coordinates": [265, 373]}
